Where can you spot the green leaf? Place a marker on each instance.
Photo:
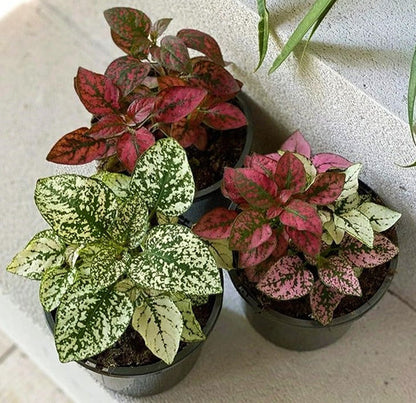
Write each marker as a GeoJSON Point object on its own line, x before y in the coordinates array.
{"type": "Point", "coordinates": [197, 300]}
{"type": "Point", "coordinates": [191, 331]}
{"type": "Point", "coordinates": [118, 183]}
{"type": "Point", "coordinates": [223, 255]}
{"type": "Point", "coordinates": [357, 225]}
{"type": "Point", "coordinates": [88, 322]}
{"type": "Point", "coordinates": [263, 30]}
{"type": "Point", "coordinates": [163, 219]}
{"type": "Point", "coordinates": [381, 217]}
{"type": "Point", "coordinates": [53, 286]}
{"type": "Point", "coordinates": [44, 250]}
{"type": "Point", "coordinates": [78, 208]}
{"type": "Point", "coordinates": [160, 324]}
{"type": "Point", "coordinates": [163, 178]}
{"type": "Point", "coordinates": [351, 181]}
{"type": "Point", "coordinates": [411, 95]}
{"type": "Point", "coordinates": [319, 8]}
{"type": "Point", "coordinates": [337, 234]}
{"type": "Point", "coordinates": [176, 260]}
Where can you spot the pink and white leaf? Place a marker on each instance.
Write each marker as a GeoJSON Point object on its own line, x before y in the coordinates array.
{"type": "Point", "coordinates": [323, 302]}
{"type": "Point", "coordinates": [301, 216]}
{"type": "Point", "coordinates": [216, 224]}
{"type": "Point", "coordinates": [326, 161]}
{"type": "Point", "coordinates": [325, 189]}
{"type": "Point", "coordinates": [296, 143]}
{"type": "Point", "coordinates": [290, 173]}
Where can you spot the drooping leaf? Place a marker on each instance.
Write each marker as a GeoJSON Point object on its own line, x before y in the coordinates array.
{"type": "Point", "coordinates": [108, 126]}
{"type": "Point", "coordinates": [263, 30]}
{"type": "Point", "coordinates": [176, 260]}
{"type": "Point", "coordinates": [160, 324]}
{"type": "Point", "coordinates": [118, 183]}
{"type": "Point", "coordinates": [305, 241]}
{"type": "Point", "coordinates": [203, 43]}
{"type": "Point", "coordinates": [88, 322]}
{"type": "Point", "coordinates": [174, 54]}
{"type": "Point", "coordinates": [174, 103]}
{"type": "Point", "coordinates": [360, 255]}
{"type": "Point", "coordinates": [44, 250]}
{"type": "Point", "coordinates": [163, 178]}
{"type": "Point", "coordinates": [140, 109]}
{"type": "Point", "coordinates": [159, 27]}
{"type": "Point", "coordinates": [296, 143]}
{"type": "Point", "coordinates": [381, 218]}
{"type": "Point", "coordinates": [290, 173]}
{"type": "Point", "coordinates": [191, 330]}
{"type": "Point", "coordinates": [77, 148]}
{"type": "Point", "coordinates": [97, 92]}
{"type": "Point", "coordinates": [286, 279]}
{"type": "Point", "coordinates": [78, 208]}
{"type": "Point", "coordinates": [323, 302]}
{"type": "Point", "coordinates": [357, 225]}
{"type": "Point", "coordinates": [225, 116]}
{"type": "Point", "coordinates": [255, 256]}
{"type": "Point", "coordinates": [222, 253]}
{"type": "Point", "coordinates": [325, 189]}
{"type": "Point", "coordinates": [338, 274]}
{"type": "Point", "coordinates": [127, 73]}
{"type": "Point", "coordinates": [216, 224]}
{"type": "Point", "coordinates": [301, 216]}
{"type": "Point", "coordinates": [351, 181]}
{"type": "Point", "coordinates": [324, 162]}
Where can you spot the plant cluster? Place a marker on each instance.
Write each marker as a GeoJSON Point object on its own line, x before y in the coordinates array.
{"type": "Point", "coordinates": [115, 255]}
{"type": "Point", "coordinates": [157, 90]}
{"type": "Point", "coordinates": [300, 226]}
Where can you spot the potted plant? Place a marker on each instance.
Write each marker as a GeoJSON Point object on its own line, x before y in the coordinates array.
{"type": "Point", "coordinates": [305, 232]}
{"type": "Point", "coordinates": [120, 275]}
{"type": "Point", "coordinates": [158, 90]}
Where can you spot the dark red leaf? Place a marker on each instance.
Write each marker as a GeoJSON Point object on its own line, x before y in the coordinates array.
{"type": "Point", "coordinates": [225, 116]}
{"type": "Point", "coordinates": [290, 173]}
{"type": "Point", "coordinates": [215, 224]}
{"type": "Point", "coordinates": [75, 148]}
{"type": "Point", "coordinates": [301, 216]}
{"type": "Point", "coordinates": [307, 242]}
{"type": "Point", "coordinates": [140, 109]}
{"type": "Point", "coordinates": [325, 189]}
{"type": "Point", "coordinates": [187, 133]}
{"type": "Point", "coordinates": [203, 43]}
{"type": "Point", "coordinates": [174, 54]}
{"type": "Point", "coordinates": [107, 126]}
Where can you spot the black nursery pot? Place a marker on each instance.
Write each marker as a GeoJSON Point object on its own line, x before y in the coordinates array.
{"type": "Point", "coordinates": [211, 197]}
{"type": "Point", "coordinates": [154, 378]}
{"type": "Point", "coordinates": [304, 334]}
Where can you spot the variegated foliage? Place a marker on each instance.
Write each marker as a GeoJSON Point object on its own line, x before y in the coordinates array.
{"type": "Point", "coordinates": [103, 264]}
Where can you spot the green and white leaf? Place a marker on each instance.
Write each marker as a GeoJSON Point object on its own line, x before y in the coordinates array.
{"type": "Point", "coordinates": [131, 223]}
{"type": "Point", "coordinates": [163, 219]}
{"type": "Point", "coordinates": [129, 287]}
{"type": "Point", "coordinates": [221, 252]}
{"type": "Point", "coordinates": [381, 217]}
{"type": "Point", "coordinates": [44, 250]}
{"type": "Point", "coordinates": [118, 183]}
{"type": "Point", "coordinates": [336, 233]}
{"type": "Point", "coordinates": [357, 225]}
{"type": "Point", "coordinates": [350, 202]}
{"type": "Point", "coordinates": [89, 322]}
{"type": "Point", "coordinates": [79, 209]}
{"type": "Point", "coordinates": [191, 331]}
{"type": "Point", "coordinates": [160, 324]}
{"type": "Point", "coordinates": [351, 181]}
{"type": "Point", "coordinates": [72, 254]}
{"type": "Point", "coordinates": [197, 300]}
{"type": "Point", "coordinates": [176, 260]}
{"type": "Point", "coordinates": [53, 286]}
{"type": "Point", "coordinates": [163, 178]}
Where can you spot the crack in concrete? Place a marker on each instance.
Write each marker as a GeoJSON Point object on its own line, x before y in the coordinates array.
{"type": "Point", "coordinates": [7, 353]}
{"type": "Point", "coordinates": [401, 299]}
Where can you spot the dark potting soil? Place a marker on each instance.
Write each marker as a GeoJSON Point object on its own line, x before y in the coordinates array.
{"type": "Point", "coordinates": [131, 350]}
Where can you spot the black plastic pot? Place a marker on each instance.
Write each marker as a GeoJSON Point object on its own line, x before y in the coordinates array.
{"type": "Point", "coordinates": [211, 197]}
{"type": "Point", "coordinates": [154, 378]}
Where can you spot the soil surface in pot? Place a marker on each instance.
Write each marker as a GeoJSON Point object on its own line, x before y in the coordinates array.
{"type": "Point", "coordinates": [131, 350]}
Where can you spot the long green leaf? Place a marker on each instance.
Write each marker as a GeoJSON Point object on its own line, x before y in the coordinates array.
{"type": "Point", "coordinates": [411, 95]}
{"type": "Point", "coordinates": [319, 8]}
{"type": "Point", "coordinates": [263, 30]}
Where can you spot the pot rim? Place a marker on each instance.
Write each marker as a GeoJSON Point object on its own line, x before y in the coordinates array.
{"type": "Point", "coordinates": [159, 366]}
{"type": "Point", "coordinates": [242, 99]}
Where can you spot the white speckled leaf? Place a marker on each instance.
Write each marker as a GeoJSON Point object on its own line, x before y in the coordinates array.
{"type": "Point", "coordinates": [88, 322]}
{"type": "Point", "coordinates": [78, 208]}
{"type": "Point", "coordinates": [118, 183]}
{"type": "Point", "coordinates": [72, 254]}
{"type": "Point", "coordinates": [163, 219]}
{"type": "Point", "coordinates": [160, 324]}
{"type": "Point", "coordinates": [163, 178]}
{"type": "Point", "coordinates": [44, 250]}
{"type": "Point", "coordinates": [357, 225]}
{"type": "Point", "coordinates": [191, 331]}
{"type": "Point", "coordinates": [348, 203]}
{"type": "Point", "coordinates": [176, 260]}
{"type": "Point", "coordinates": [53, 286]}
{"type": "Point", "coordinates": [381, 217]}
{"type": "Point", "coordinates": [351, 181]}
{"type": "Point", "coordinates": [223, 255]}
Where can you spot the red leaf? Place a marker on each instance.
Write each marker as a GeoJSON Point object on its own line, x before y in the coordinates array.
{"type": "Point", "coordinates": [215, 224]}
{"type": "Point", "coordinates": [255, 256]}
{"type": "Point", "coordinates": [225, 116]}
{"type": "Point", "coordinates": [174, 54]}
{"type": "Point", "coordinates": [177, 102]}
{"type": "Point", "coordinates": [323, 302]}
{"type": "Point", "coordinates": [290, 173]}
{"type": "Point", "coordinates": [75, 148]}
{"type": "Point", "coordinates": [140, 109]}
{"type": "Point", "coordinates": [187, 134]}
{"type": "Point", "coordinates": [214, 79]}
{"type": "Point", "coordinates": [131, 146]}
{"type": "Point", "coordinates": [249, 230]}
{"type": "Point", "coordinates": [296, 143]}
{"type": "Point", "coordinates": [228, 187]}
{"type": "Point", "coordinates": [170, 81]}
{"type": "Point", "coordinates": [107, 126]}
{"type": "Point", "coordinates": [301, 216]}
{"type": "Point", "coordinates": [97, 92]}
{"type": "Point", "coordinates": [324, 162]}
{"type": "Point", "coordinates": [263, 163]}
{"type": "Point", "coordinates": [286, 279]}
{"type": "Point", "coordinates": [127, 73]}
{"type": "Point", "coordinates": [203, 43]}
{"type": "Point", "coordinates": [307, 242]}
{"type": "Point", "coordinates": [325, 189]}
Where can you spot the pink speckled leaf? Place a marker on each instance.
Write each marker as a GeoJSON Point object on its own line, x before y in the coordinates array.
{"type": "Point", "coordinates": [339, 275]}
{"type": "Point", "coordinates": [286, 279]}
{"type": "Point", "coordinates": [174, 103]}
{"type": "Point", "coordinates": [301, 216]}
{"type": "Point", "coordinates": [265, 164]}
{"type": "Point", "coordinates": [296, 143]}
{"type": "Point", "coordinates": [255, 256]}
{"type": "Point", "coordinates": [290, 173]}
{"type": "Point", "coordinates": [229, 188]}
{"type": "Point", "coordinates": [216, 224]}
{"type": "Point", "coordinates": [174, 54]}
{"type": "Point", "coordinates": [224, 116]}
{"type": "Point", "coordinates": [140, 109]}
{"type": "Point", "coordinates": [323, 302]}
{"type": "Point", "coordinates": [325, 189]}
{"type": "Point", "coordinates": [97, 92]}
{"type": "Point", "coordinates": [324, 162]}
{"type": "Point", "coordinates": [107, 126]}
{"type": "Point", "coordinates": [362, 256]}
{"type": "Point", "coordinates": [307, 242]}
{"type": "Point", "coordinates": [203, 43]}
{"type": "Point", "coordinates": [249, 230]}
